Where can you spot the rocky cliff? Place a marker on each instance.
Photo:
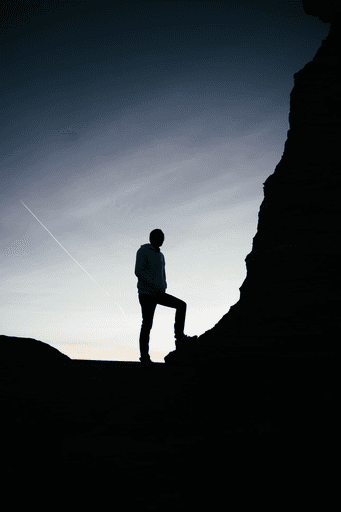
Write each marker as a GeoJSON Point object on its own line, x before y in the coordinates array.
{"type": "Point", "coordinates": [291, 293]}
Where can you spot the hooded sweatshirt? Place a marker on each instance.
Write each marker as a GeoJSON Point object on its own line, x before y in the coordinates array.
{"type": "Point", "coordinates": [150, 270]}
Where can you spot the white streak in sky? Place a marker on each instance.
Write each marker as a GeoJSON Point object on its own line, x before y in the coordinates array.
{"type": "Point", "coordinates": [73, 258]}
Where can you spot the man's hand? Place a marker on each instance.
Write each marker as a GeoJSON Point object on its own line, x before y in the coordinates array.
{"type": "Point", "coordinates": [159, 290]}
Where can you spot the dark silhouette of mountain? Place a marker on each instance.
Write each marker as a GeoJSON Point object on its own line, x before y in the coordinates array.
{"type": "Point", "coordinates": [165, 434]}
{"type": "Point", "coordinates": [290, 298]}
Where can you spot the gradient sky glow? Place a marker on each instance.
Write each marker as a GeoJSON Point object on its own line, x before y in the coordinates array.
{"type": "Point", "coordinates": [118, 121]}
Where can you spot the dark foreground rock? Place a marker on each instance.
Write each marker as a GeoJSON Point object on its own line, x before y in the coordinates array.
{"type": "Point", "coordinates": [179, 436]}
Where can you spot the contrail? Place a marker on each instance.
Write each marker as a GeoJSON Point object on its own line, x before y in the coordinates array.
{"type": "Point", "coordinates": [73, 258]}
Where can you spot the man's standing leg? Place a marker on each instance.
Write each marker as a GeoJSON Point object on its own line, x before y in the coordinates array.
{"type": "Point", "coordinates": [148, 305]}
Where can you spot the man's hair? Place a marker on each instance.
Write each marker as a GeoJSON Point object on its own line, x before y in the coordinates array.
{"type": "Point", "coordinates": [156, 233]}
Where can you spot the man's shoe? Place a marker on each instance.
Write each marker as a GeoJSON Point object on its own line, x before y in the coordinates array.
{"type": "Point", "coordinates": [183, 340]}
{"type": "Point", "coordinates": [145, 360]}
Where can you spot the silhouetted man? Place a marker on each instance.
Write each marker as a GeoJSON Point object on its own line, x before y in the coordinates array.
{"type": "Point", "coordinates": [150, 271]}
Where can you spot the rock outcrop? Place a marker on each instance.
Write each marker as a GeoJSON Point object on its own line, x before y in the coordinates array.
{"type": "Point", "coordinates": [325, 10]}
{"type": "Point", "coordinates": [29, 351]}
{"type": "Point", "coordinates": [291, 294]}
{"type": "Point", "coordinates": [24, 360]}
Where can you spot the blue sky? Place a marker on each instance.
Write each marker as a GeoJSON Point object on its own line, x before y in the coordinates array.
{"type": "Point", "coordinates": [118, 121]}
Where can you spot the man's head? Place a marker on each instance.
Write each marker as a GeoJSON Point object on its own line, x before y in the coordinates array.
{"type": "Point", "coordinates": [156, 238]}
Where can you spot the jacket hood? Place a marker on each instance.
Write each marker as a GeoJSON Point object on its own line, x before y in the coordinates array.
{"type": "Point", "coordinates": [149, 246]}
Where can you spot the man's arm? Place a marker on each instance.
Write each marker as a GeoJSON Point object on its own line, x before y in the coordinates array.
{"type": "Point", "coordinates": [164, 275]}
{"type": "Point", "coordinates": [140, 268]}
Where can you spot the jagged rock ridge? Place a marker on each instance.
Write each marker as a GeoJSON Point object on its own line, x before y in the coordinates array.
{"type": "Point", "coordinates": [291, 293]}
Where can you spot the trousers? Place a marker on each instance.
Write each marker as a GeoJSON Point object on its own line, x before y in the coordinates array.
{"type": "Point", "coordinates": [148, 305]}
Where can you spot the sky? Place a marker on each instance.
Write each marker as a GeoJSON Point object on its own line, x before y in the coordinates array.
{"type": "Point", "coordinates": [116, 121]}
